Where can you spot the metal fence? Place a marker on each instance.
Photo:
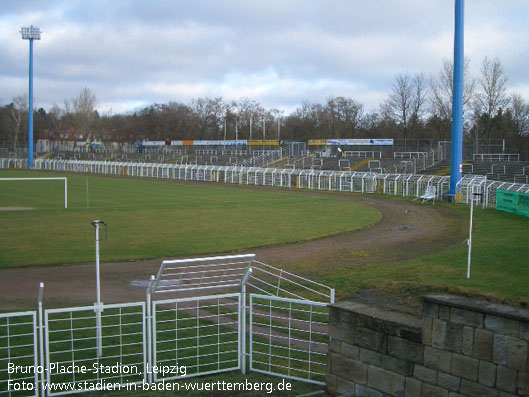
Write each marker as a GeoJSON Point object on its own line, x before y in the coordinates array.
{"type": "Point", "coordinates": [75, 363]}
{"type": "Point", "coordinates": [414, 162]}
{"type": "Point", "coordinates": [18, 354]}
{"type": "Point", "coordinates": [496, 157]}
{"type": "Point", "coordinates": [201, 334]}
{"type": "Point", "coordinates": [261, 158]}
{"type": "Point", "coordinates": [393, 184]}
{"type": "Point", "coordinates": [288, 338]}
{"type": "Point", "coordinates": [114, 347]}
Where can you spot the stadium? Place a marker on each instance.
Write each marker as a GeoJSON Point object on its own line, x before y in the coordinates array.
{"type": "Point", "coordinates": [318, 234]}
{"type": "Point", "coordinates": [346, 252]}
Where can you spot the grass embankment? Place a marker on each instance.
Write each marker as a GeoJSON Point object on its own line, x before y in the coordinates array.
{"type": "Point", "coordinates": [500, 262]}
{"type": "Point", "coordinates": [157, 218]}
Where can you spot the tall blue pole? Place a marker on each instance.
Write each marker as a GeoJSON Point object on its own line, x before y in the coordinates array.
{"type": "Point", "coordinates": [30, 110]}
{"type": "Point", "coordinates": [456, 157]}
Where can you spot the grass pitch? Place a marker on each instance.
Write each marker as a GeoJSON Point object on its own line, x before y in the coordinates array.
{"type": "Point", "coordinates": [157, 218]}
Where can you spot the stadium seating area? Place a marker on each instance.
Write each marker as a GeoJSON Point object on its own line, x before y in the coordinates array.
{"type": "Point", "coordinates": [508, 171]}
{"type": "Point", "coordinates": [512, 171]}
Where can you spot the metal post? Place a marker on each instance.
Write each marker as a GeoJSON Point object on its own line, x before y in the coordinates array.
{"type": "Point", "coordinates": [457, 100]}
{"type": "Point", "coordinates": [486, 200]}
{"type": "Point", "coordinates": [470, 238]}
{"type": "Point", "coordinates": [242, 319]}
{"type": "Point", "coordinates": [243, 329]}
{"type": "Point", "coordinates": [98, 304]}
{"type": "Point", "coordinates": [149, 328]}
{"type": "Point", "coordinates": [41, 338]}
{"type": "Point", "coordinates": [98, 286]}
{"type": "Point", "coordinates": [98, 299]}
{"type": "Point", "coordinates": [474, 195]}
{"type": "Point", "coordinates": [65, 193]}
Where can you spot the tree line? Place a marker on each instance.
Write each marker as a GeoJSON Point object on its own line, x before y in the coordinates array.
{"type": "Point", "coordinates": [417, 107]}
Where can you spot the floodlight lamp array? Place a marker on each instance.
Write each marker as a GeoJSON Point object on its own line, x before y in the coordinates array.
{"type": "Point", "coordinates": [30, 33]}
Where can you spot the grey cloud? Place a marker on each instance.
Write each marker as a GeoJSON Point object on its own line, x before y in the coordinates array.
{"type": "Point", "coordinates": [283, 52]}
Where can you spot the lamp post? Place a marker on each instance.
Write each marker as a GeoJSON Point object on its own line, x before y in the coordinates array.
{"type": "Point", "coordinates": [30, 33]}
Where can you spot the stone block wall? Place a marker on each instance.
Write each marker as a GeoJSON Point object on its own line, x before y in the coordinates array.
{"type": "Point", "coordinates": [459, 347]}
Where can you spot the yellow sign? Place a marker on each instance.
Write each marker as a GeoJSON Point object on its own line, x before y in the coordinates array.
{"type": "Point", "coordinates": [317, 142]}
{"type": "Point", "coordinates": [267, 142]}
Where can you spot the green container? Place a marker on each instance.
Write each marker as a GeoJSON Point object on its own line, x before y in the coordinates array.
{"type": "Point", "coordinates": [513, 202]}
{"type": "Point", "coordinates": [523, 204]}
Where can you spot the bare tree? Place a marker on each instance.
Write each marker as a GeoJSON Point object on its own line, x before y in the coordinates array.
{"type": "Point", "coordinates": [520, 114]}
{"type": "Point", "coordinates": [56, 116]}
{"type": "Point", "coordinates": [519, 110]}
{"type": "Point", "coordinates": [249, 113]}
{"type": "Point", "coordinates": [211, 114]}
{"type": "Point", "coordinates": [492, 98]}
{"type": "Point", "coordinates": [493, 83]}
{"type": "Point", "coordinates": [85, 102]}
{"type": "Point", "coordinates": [15, 118]}
{"type": "Point", "coordinates": [442, 89]}
{"type": "Point", "coordinates": [406, 102]}
{"type": "Point", "coordinates": [84, 111]}
{"type": "Point", "coordinates": [441, 97]}
{"type": "Point", "coordinates": [343, 116]}
{"type": "Point", "coordinates": [208, 112]}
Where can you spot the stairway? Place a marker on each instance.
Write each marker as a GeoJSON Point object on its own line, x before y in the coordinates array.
{"type": "Point", "coordinates": [441, 168]}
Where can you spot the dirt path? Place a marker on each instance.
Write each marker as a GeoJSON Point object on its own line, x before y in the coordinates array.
{"type": "Point", "coordinates": [407, 230]}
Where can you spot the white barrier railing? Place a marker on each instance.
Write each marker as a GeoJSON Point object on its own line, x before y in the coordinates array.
{"type": "Point", "coordinates": [362, 154]}
{"type": "Point", "coordinates": [262, 158]}
{"type": "Point", "coordinates": [496, 157]}
{"type": "Point", "coordinates": [408, 155]}
{"type": "Point", "coordinates": [397, 184]}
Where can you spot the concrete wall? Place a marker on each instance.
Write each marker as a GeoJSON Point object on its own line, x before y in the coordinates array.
{"type": "Point", "coordinates": [460, 346]}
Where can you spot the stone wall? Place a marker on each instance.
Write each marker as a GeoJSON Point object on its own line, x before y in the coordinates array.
{"type": "Point", "coordinates": [460, 347]}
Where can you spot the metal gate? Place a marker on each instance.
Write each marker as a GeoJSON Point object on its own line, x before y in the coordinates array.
{"type": "Point", "coordinates": [288, 337]}
{"type": "Point", "coordinates": [74, 361]}
{"type": "Point", "coordinates": [199, 335]}
{"type": "Point", "coordinates": [118, 346]}
{"type": "Point", "coordinates": [18, 349]}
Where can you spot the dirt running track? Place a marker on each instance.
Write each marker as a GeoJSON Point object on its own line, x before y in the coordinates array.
{"type": "Point", "coordinates": [407, 230]}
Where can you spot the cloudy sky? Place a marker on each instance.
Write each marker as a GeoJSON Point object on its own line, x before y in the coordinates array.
{"type": "Point", "coordinates": [133, 53]}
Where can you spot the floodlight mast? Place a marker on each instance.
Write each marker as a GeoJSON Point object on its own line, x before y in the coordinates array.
{"type": "Point", "coordinates": [30, 33]}
{"type": "Point", "coordinates": [456, 156]}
